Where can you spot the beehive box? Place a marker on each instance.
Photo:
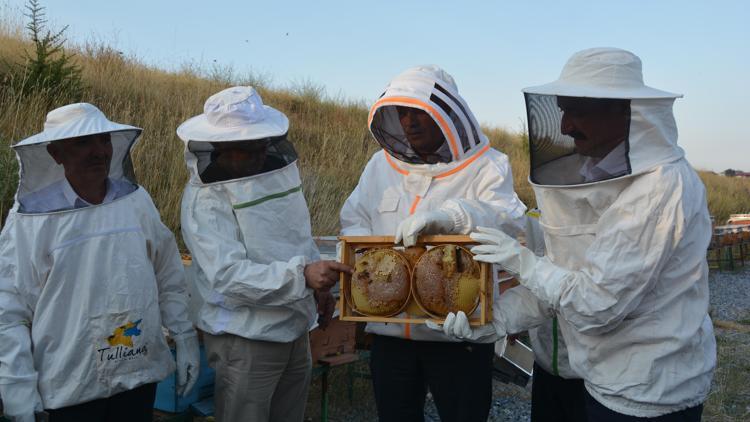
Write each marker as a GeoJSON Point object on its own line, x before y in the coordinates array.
{"type": "Point", "coordinates": [351, 244]}
{"type": "Point", "coordinates": [337, 339]}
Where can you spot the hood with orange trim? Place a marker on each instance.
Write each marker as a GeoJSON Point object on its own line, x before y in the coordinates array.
{"type": "Point", "coordinates": [432, 90]}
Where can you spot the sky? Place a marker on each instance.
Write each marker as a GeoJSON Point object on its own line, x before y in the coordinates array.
{"type": "Point", "coordinates": [493, 49]}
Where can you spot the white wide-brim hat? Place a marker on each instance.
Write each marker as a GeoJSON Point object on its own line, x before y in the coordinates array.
{"type": "Point", "coordinates": [75, 120]}
{"type": "Point", "coordinates": [234, 114]}
{"type": "Point", "coordinates": [602, 73]}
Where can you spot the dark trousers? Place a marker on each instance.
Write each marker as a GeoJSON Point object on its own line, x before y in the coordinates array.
{"type": "Point", "coordinates": [599, 413]}
{"type": "Point", "coordinates": [556, 399]}
{"type": "Point", "coordinates": [459, 376]}
{"type": "Point", "coordinates": [134, 405]}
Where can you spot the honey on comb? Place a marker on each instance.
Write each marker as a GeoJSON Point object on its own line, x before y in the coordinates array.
{"type": "Point", "coordinates": [447, 279]}
{"type": "Point", "coordinates": [380, 283]}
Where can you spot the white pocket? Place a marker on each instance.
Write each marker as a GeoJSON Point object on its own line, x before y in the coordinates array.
{"type": "Point", "coordinates": [389, 202]}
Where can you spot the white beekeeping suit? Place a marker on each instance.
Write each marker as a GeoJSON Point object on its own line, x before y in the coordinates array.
{"type": "Point", "coordinates": [85, 289]}
{"type": "Point", "coordinates": [249, 234]}
{"type": "Point", "coordinates": [626, 236]}
{"type": "Point", "coordinates": [246, 223]}
{"type": "Point", "coordinates": [469, 182]}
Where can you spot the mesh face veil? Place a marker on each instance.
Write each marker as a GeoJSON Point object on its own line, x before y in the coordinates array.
{"type": "Point", "coordinates": [390, 134]}
{"type": "Point", "coordinates": [54, 173]}
{"type": "Point", "coordinates": [577, 140]}
{"type": "Point", "coordinates": [230, 160]}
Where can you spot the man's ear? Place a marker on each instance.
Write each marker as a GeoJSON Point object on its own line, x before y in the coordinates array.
{"type": "Point", "coordinates": [54, 151]}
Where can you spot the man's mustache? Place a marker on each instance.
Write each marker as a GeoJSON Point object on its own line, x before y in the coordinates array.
{"type": "Point", "coordinates": [97, 162]}
{"type": "Point", "coordinates": [577, 135]}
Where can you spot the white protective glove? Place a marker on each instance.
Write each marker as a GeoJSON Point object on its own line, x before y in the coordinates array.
{"type": "Point", "coordinates": [188, 362]}
{"type": "Point", "coordinates": [428, 222]}
{"type": "Point", "coordinates": [498, 248]}
{"type": "Point", "coordinates": [21, 400]}
{"type": "Point", "coordinates": [457, 326]}
{"type": "Point", "coordinates": [543, 278]}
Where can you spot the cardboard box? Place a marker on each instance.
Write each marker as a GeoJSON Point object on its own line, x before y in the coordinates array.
{"type": "Point", "coordinates": [337, 339]}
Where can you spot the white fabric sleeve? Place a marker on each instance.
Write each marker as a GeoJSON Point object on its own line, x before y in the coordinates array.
{"type": "Point", "coordinates": [18, 377]}
{"type": "Point", "coordinates": [354, 216]}
{"type": "Point", "coordinates": [621, 267]}
{"type": "Point", "coordinates": [212, 235]}
{"type": "Point", "coordinates": [517, 310]}
{"type": "Point", "coordinates": [170, 276]}
{"type": "Point", "coordinates": [496, 204]}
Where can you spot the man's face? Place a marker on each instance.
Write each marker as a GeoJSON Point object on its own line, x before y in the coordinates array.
{"type": "Point", "coordinates": [597, 125]}
{"type": "Point", "coordinates": [421, 130]}
{"type": "Point", "coordinates": [240, 159]}
{"type": "Point", "coordinates": [85, 158]}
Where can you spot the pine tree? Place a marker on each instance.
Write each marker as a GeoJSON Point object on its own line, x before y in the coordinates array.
{"type": "Point", "coordinates": [49, 68]}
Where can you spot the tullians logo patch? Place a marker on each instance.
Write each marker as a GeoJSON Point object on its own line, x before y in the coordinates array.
{"type": "Point", "coordinates": [124, 334]}
{"type": "Point", "coordinates": [121, 344]}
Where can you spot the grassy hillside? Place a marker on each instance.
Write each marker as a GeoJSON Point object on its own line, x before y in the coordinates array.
{"type": "Point", "coordinates": [329, 134]}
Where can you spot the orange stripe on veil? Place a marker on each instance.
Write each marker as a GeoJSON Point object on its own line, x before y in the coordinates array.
{"type": "Point", "coordinates": [421, 104]}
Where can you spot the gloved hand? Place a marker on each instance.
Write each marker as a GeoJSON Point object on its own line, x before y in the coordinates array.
{"type": "Point", "coordinates": [428, 222]}
{"type": "Point", "coordinates": [457, 326]}
{"type": "Point", "coordinates": [188, 362]}
{"type": "Point", "coordinates": [543, 278]}
{"type": "Point", "coordinates": [497, 248]}
{"type": "Point", "coordinates": [21, 400]}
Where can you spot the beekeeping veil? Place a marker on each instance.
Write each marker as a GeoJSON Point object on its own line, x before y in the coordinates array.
{"type": "Point", "coordinates": [432, 90]}
{"type": "Point", "coordinates": [41, 177]}
{"type": "Point", "coordinates": [599, 121]}
{"type": "Point", "coordinates": [237, 136]}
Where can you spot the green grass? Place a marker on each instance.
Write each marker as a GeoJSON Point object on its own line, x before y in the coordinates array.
{"type": "Point", "coordinates": [729, 399]}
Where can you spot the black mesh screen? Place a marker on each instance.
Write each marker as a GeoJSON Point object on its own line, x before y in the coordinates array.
{"type": "Point", "coordinates": [576, 140]}
{"type": "Point", "coordinates": [223, 161]}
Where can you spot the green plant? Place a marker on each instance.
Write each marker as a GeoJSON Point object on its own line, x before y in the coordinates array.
{"type": "Point", "coordinates": [48, 68]}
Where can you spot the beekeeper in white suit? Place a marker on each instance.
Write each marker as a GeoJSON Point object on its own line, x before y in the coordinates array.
{"type": "Point", "coordinates": [88, 276]}
{"type": "Point", "coordinates": [246, 223]}
{"type": "Point", "coordinates": [626, 228]}
{"type": "Point", "coordinates": [436, 174]}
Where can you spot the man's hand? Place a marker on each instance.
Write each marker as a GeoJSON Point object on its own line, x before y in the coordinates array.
{"type": "Point", "coordinates": [326, 307]}
{"type": "Point", "coordinates": [322, 275]}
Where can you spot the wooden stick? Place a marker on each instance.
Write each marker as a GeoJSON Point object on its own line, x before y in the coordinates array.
{"type": "Point", "coordinates": [731, 325]}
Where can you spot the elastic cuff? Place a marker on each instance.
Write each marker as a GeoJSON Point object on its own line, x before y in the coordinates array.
{"type": "Point", "coordinates": [458, 216]}
{"type": "Point", "coordinates": [542, 277]}
{"type": "Point", "coordinates": [184, 336]}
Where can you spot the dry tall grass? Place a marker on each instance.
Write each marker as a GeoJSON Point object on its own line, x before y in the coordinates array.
{"type": "Point", "coordinates": [726, 195]}
{"type": "Point", "coordinates": [330, 134]}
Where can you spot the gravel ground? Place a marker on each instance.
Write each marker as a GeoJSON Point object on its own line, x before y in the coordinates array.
{"type": "Point", "coordinates": [730, 295]}
{"type": "Point", "coordinates": [510, 403]}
